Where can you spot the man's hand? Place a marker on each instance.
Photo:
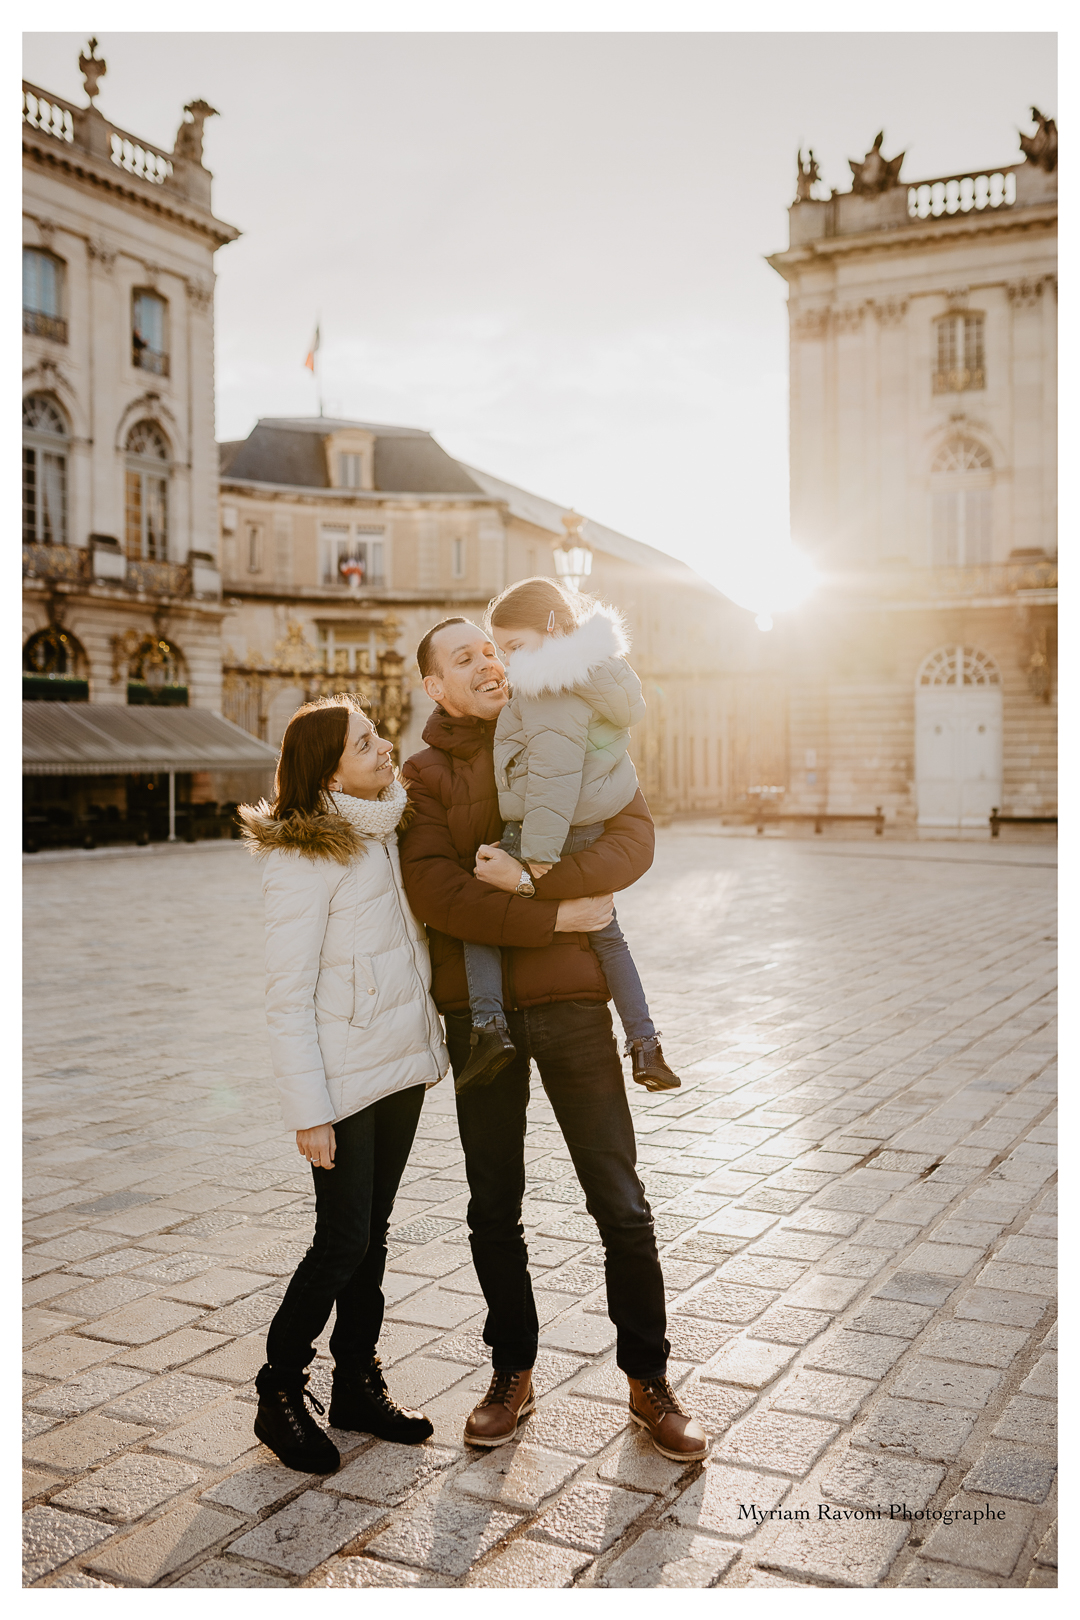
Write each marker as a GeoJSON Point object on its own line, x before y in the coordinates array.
{"type": "Point", "coordinates": [495, 866]}
{"type": "Point", "coordinates": [585, 916]}
{"type": "Point", "coordinates": [318, 1145]}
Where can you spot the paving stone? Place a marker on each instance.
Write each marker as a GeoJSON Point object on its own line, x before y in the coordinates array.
{"type": "Point", "coordinates": [174, 1350]}
{"type": "Point", "coordinates": [218, 1286]}
{"type": "Point", "coordinates": [753, 1363]}
{"type": "Point", "coordinates": [917, 1288]}
{"type": "Point", "coordinates": [237, 1361]}
{"type": "Point", "coordinates": [219, 1572]}
{"type": "Point", "coordinates": [787, 1245]}
{"type": "Point", "coordinates": [591, 1517]}
{"type": "Point", "coordinates": [1023, 1419]}
{"type": "Point", "coordinates": [1011, 1310]}
{"type": "Point", "coordinates": [443, 1532]}
{"type": "Point", "coordinates": [165, 1401]}
{"type": "Point", "coordinates": [864, 1478]}
{"type": "Point", "coordinates": [434, 1307]}
{"type": "Point", "coordinates": [744, 1223]}
{"type": "Point", "coordinates": [139, 1324]}
{"type": "Point", "coordinates": [864, 1355]}
{"type": "Point", "coordinates": [759, 1271]}
{"type": "Point", "coordinates": [244, 1316]}
{"type": "Point", "coordinates": [859, 1554]}
{"type": "Point", "coordinates": [824, 1293]}
{"type": "Point", "coordinates": [1019, 1279]}
{"type": "Point", "coordinates": [856, 1261]}
{"type": "Point", "coordinates": [720, 1499]}
{"type": "Point", "coordinates": [580, 1427]}
{"type": "Point", "coordinates": [990, 1547]}
{"type": "Point", "coordinates": [215, 1438]}
{"type": "Point", "coordinates": [38, 1325]}
{"type": "Point", "coordinates": [670, 1558]}
{"type": "Point", "coordinates": [1048, 1548]}
{"type": "Point", "coordinates": [306, 1531]}
{"type": "Point", "coordinates": [389, 1474]}
{"type": "Point", "coordinates": [126, 1489]}
{"type": "Point", "coordinates": [976, 1342]}
{"type": "Point", "coordinates": [635, 1463]}
{"type": "Point", "coordinates": [589, 1334]}
{"type": "Point", "coordinates": [788, 1324]}
{"type": "Point", "coordinates": [839, 1223]}
{"type": "Point", "coordinates": [1010, 1471]}
{"type": "Point", "coordinates": [250, 1490]}
{"type": "Point", "coordinates": [917, 1429]}
{"type": "Point", "coordinates": [51, 1537]}
{"type": "Point", "coordinates": [921, 1573]}
{"type": "Point", "coordinates": [82, 1394]}
{"type": "Point", "coordinates": [823, 1395]}
{"type": "Point", "coordinates": [517, 1475]}
{"type": "Point", "coordinates": [154, 1550]}
{"type": "Point", "coordinates": [948, 1382]}
{"type": "Point", "coordinates": [695, 1339]}
{"type": "Point", "coordinates": [72, 1447]}
{"type": "Point", "coordinates": [36, 1481]}
{"type": "Point", "coordinates": [716, 1406]}
{"type": "Point", "coordinates": [169, 1268]}
{"type": "Point", "coordinates": [727, 1302]}
{"type": "Point", "coordinates": [365, 1572]}
{"type": "Point", "coordinates": [107, 1295]}
{"type": "Point", "coordinates": [1042, 1379]}
{"type": "Point", "coordinates": [773, 1440]}
{"type": "Point", "coordinates": [528, 1564]}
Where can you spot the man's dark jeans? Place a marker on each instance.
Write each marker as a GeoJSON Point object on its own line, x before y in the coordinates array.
{"type": "Point", "coordinates": [347, 1257]}
{"type": "Point", "coordinates": [574, 1049]}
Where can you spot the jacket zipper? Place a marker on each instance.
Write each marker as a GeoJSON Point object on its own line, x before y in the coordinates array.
{"type": "Point", "coordinates": [412, 956]}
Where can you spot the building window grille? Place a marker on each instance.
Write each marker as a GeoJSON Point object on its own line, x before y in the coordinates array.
{"type": "Point", "coordinates": [43, 295]}
{"type": "Point", "coordinates": [149, 340]}
{"type": "Point", "coordinates": [961, 361]}
{"type": "Point", "coordinates": [961, 506]}
{"type": "Point", "coordinates": [45, 450]}
{"type": "Point", "coordinates": [350, 469]}
{"type": "Point", "coordinates": [146, 495]}
{"type": "Point", "coordinates": [457, 548]}
{"type": "Point", "coordinates": [352, 557]}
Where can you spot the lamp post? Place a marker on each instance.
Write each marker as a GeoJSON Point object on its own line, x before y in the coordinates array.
{"type": "Point", "coordinates": [573, 557]}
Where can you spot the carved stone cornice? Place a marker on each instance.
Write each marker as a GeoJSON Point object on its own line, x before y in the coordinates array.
{"type": "Point", "coordinates": [1025, 293]}
{"type": "Point", "coordinates": [890, 311]}
{"type": "Point", "coordinates": [848, 317]}
{"type": "Point", "coordinates": [810, 323]}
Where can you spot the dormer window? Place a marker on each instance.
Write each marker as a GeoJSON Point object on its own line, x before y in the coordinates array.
{"type": "Point", "coordinates": [43, 295]}
{"type": "Point", "coordinates": [149, 335]}
{"type": "Point", "coordinates": [351, 469]}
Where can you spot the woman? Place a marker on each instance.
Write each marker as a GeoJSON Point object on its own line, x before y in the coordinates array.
{"type": "Point", "coordinates": [355, 1040]}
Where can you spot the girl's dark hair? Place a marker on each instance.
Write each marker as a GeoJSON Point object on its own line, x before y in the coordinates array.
{"type": "Point", "coordinates": [313, 743]}
{"type": "Point", "coordinates": [530, 604]}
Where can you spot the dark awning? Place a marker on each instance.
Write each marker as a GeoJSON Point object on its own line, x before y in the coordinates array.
{"type": "Point", "coordinates": [99, 739]}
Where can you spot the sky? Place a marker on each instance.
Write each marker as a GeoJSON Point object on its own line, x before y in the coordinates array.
{"type": "Point", "coordinates": [549, 249]}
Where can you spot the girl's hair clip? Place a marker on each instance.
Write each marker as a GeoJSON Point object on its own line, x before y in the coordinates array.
{"type": "Point", "coordinates": [551, 621]}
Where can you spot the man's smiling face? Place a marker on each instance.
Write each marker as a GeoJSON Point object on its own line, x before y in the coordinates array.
{"type": "Point", "coordinates": [469, 678]}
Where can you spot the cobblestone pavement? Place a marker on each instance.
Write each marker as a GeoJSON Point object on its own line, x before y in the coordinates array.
{"type": "Point", "coordinates": [854, 1196]}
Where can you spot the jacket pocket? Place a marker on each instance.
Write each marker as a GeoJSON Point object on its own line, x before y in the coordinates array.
{"type": "Point", "coordinates": [365, 990]}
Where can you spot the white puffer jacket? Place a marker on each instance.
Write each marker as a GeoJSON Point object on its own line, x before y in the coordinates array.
{"type": "Point", "coordinates": [348, 980]}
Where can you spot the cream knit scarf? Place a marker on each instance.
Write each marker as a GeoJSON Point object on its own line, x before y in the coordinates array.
{"type": "Point", "coordinates": [373, 818]}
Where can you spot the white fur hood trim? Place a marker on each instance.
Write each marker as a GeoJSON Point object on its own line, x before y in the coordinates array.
{"type": "Point", "coordinates": [565, 662]}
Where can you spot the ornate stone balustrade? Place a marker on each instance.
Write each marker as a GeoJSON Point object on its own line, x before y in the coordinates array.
{"type": "Point", "coordinates": [48, 114]}
{"type": "Point", "coordinates": [86, 128]}
{"type": "Point", "coordinates": [962, 193]}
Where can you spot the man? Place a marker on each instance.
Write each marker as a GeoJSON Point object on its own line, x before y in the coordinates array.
{"type": "Point", "coordinates": [556, 1000]}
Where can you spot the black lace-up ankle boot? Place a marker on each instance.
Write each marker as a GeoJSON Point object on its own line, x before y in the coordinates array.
{"type": "Point", "coordinates": [360, 1400]}
{"type": "Point", "coordinates": [284, 1423]}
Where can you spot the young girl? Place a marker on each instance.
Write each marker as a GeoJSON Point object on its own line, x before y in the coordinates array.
{"type": "Point", "coordinates": [562, 768]}
{"type": "Point", "coordinates": [355, 1039]}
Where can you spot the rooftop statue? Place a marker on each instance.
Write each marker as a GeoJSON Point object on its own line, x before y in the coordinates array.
{"type": "Point", "coordinates": [92, 68]}
{"type": "Point", "coordinates": [1041, 148]}
{"type": "Point", "coordinates": [875, 173]}
{"type": "Point", "coordinates": [189, 137]}
{"type": "Point", "coordinates": [809, 175]}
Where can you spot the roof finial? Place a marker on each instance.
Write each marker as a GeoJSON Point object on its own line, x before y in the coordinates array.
{"type": "Point", "coordinates": [92, 69]}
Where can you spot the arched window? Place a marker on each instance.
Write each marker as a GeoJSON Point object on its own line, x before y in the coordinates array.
{"type": "Point", "coordinates": [45, 453]}
{"type": "Point", "coordinates": [149, 332]}
{"type": "Point", "coordinates": [54, 651]}
{"type": "Point", "coordinates": [958, 666]}
{"type": "Point", "coordinates": [961, 500]}
{"type": "Point", "coordinates": [146, 494]}
{"type": "Point", "coordinates": [43, 295]}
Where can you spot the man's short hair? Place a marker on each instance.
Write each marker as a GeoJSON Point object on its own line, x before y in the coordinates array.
{"type": "Point", "coordinates": [426, 661]}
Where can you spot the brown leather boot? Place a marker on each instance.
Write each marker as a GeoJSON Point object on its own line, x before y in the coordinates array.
{"type": "Point", "coordinates": [508, 1400]}
{"type": "Point", "coordinates": [655, 1407]}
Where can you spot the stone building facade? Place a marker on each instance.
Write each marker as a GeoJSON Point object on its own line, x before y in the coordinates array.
{"type": "Point", "coordinates": [121, 586]}
{"type": "Point", "coordinates": [343, 542]}
{"type": "Point", "coordinates": [923, 322]}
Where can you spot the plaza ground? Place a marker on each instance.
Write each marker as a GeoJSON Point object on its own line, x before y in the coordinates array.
{"type": "Point", "coordinates": [854, 1195]}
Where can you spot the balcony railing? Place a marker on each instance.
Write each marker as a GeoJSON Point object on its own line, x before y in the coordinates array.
{"type": "Point", "coordinates": [53, 117]}
{"type": "Point", "coordinates": [159, 578]}
{"type": "Point", "coordinates": [959, 379]}
{"type": "Point", "coordinates": [46, 326]}
{"type": "Point", "coordinates": [962, 194]}
{"type": "Point", "coordinates": [148, 360]}
{"type": "Point", "coordinates": [138, 158]}
{"type": "Point", "coordinates": [70, 563]}
{"type": "Point", "coordinates": [66, 122]}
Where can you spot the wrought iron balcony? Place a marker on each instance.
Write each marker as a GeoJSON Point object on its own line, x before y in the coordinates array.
{"type": "Point", "coordinates": [959, 379]}
{"type": "Point", "coordinates": [57, 562]}
{"type": "Point", "coordinates": [47, 326]}
{"type": "Point", "coordinates": [159, 578]}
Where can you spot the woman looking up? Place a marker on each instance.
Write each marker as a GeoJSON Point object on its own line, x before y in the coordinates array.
{"type": "Point", "coordinates": [355, 1040]}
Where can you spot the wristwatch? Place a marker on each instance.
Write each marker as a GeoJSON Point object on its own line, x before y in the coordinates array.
{"type": "Point", "coordinates": [525, 885]}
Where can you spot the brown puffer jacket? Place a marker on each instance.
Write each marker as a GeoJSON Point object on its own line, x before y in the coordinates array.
{"type": "Point", "coordinates": [451, 785]}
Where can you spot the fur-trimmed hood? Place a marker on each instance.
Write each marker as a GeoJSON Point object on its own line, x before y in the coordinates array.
{"type": "Point", "coordinates": [320, 835]}
{"type": "Point", "coordinates": [565, 663]}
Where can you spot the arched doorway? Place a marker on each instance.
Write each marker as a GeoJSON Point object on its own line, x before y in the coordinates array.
{"type": "Point", "coordinates": [957, 738]}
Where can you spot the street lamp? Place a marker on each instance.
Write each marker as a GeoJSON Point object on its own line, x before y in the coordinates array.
{"type": "Point", "coordinates": [573, 558]}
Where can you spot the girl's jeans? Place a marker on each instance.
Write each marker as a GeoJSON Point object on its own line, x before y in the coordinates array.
{"type": "Point", "coordinates": [483, 963]}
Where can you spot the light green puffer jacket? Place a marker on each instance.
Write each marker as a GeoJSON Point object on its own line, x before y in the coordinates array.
{"type": "Point", "coordinates": [561, 743]}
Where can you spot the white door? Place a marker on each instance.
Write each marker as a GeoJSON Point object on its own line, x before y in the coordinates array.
{"type": "Point", "coordinates": [957, 738]}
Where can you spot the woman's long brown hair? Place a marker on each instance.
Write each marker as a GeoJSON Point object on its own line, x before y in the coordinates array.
{"type": "Point", "coordinates": [313, 743]}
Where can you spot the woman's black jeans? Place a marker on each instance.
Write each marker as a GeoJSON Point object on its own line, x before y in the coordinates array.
{"type": "Point", "coordinates": [347, 1257]}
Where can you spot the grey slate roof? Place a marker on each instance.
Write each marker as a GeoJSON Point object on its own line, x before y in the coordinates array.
{"type": "Point", "coordinates": [289, 450]}
{"type": "Point", "coordinates": [104, 739]}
